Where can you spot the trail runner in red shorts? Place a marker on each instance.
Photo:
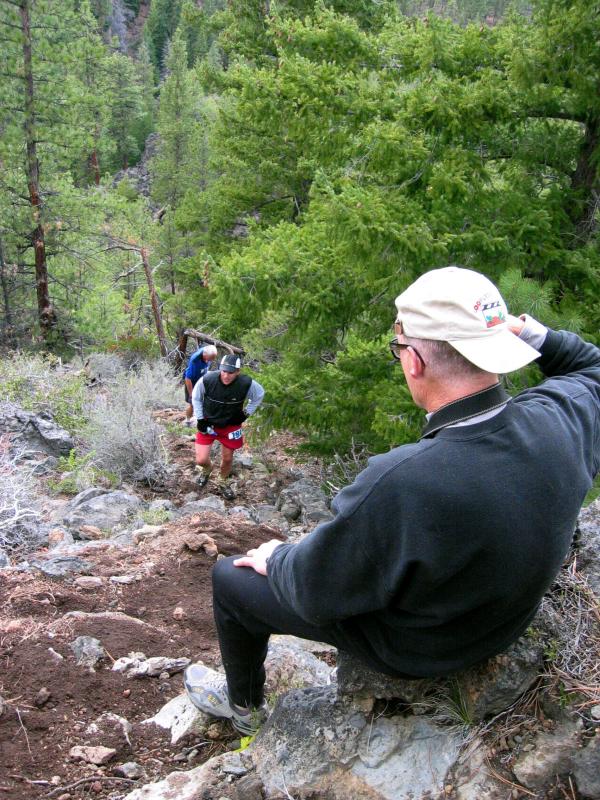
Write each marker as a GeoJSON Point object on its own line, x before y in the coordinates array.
{"type": "Point", "coordinates": [218, 400]}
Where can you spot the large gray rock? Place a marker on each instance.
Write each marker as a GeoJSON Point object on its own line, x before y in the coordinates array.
{"type": "Point", "coordinates": [61, 566]}
{"type": "Point", "coordinates": [304, 500]}
{"type": "Point", "coordinates": [87, 495]}
{"type": "Point", "coordinates": [308, 732]}
{"type": "Point", "coordinates": [37, 432]}
{"type": "Point", "coordinates": [588, 544]}
{"type": "Point", "coordinates": [317, 744]}
{"type": "Point", "coordinates": [403, 758]}
{"type": "Point", "coordinates": [472, 695]}
{"type": "Point", "coordinates": [290, 664]}
{"type": "Point", "coordinates": [552, 755]}
{"type": "Point", "coordinates": [105, 511]}
{"type": "Point", "coordinates": [209, 503]}
{"type": "Point", "coordinates": [586, 769]}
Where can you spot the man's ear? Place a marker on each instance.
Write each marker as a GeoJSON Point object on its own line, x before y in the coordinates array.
{"type": "Point", "coordinates": [415, 365]}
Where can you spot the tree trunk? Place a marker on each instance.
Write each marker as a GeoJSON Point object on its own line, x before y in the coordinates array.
{"type": "Point", "coordinates": [46, 313]}
{"type": "Point", "coordinates": [160, 332]}
{"type": "Point", "coordinates": [95, 167]}
{"type": "Point", "coordinates": [585, 182]}
{"type": "Point", "coordinates": [7, 316]}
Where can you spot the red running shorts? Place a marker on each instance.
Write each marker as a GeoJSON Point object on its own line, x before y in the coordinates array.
{"type": "Point", "coordinates": [223, 435]}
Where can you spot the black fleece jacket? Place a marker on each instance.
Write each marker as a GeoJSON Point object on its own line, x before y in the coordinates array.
{"type": "Point", "coordinates": [440, 551]}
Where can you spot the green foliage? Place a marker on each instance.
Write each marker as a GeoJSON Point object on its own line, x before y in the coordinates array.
{"type": "Point", "coordinates": [350, 157]}
{"type": "Point", "coordinates": [156, 516]}
{"type": "Point", "coordinates": [79, 474]}
{"type": "Point", "coordinates": [161, 24]}
{"type": "Point", "coordinates": [313, 159]}
{"type": "Point", "coordinates": [88, 112]}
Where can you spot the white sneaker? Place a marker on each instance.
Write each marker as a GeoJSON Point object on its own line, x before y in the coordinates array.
{"type": "Point", "coordinates": [207, 689]}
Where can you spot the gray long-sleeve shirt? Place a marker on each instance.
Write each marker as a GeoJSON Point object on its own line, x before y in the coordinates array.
{"type": "Point", "coordinates": [254, 398]}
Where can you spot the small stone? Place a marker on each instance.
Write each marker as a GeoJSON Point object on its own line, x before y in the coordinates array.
{"type": "Point", "coordinates": [91, 532]}
{"type": "Point", "coordinates": [96, 787]}
{"type": "Point", "coordinates": [55, 780]}
{"type": "Point", "coordinates": [448, 788]}
{"type": "Point", "coordinates": [92, 755]}
{"type": "Point", "coordinates": [65, 796]}
{"type": "Point", "coordinates": [214, 731]}
{"type": "Point", "coordinates": [88, 582]}
{"type": "Point", "coordinates": [122, 579]}
{"type": "Point", "coordinates": [57, 536]}
{"type": "Point", "coordinates": [42, 697]}
{"type": "Point", "coordinates": [595, 711]}
{"type": "Point", "coordinates": [164, 676]}
{"type": "Point", "coordinates": [178, 613]}
{"type": "Point", "coordinates": [131, 769]}
{"type": "Point", "coordinates": [56, 656]}
{"type": "Point", "coordinates": [126, 692]}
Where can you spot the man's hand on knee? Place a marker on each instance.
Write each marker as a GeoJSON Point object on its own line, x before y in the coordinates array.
{"type": "Point", "coordinates": [257, 558]}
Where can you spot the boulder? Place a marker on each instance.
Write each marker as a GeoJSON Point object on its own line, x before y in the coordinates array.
{"type": "Point", "coordinates": [35, 432]}
{"type": "Point", "coordinates": [62, 565]}
{"type": "Point", "coordinates": [304, 500]}
{"type": "Point", "coordinates": [553, 754]}
{"type": "Point", "coordinates": [470, 695]}
{"type": "Point", "coordinates": [290, 664]}
{"type": "Point", "coordinates": [105, 511]}
{"type": "Point", "coordinates": [587, 544]}
{"type": "Point", "coordinates": [209, 503]}
{"type": "Point", "coordinates": [320, 744]}
{"type": "Point", "coordinates": [586, 768]}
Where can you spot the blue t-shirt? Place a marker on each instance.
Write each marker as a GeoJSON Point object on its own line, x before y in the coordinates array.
{"type": "Point", "coordinates": [196, 367]}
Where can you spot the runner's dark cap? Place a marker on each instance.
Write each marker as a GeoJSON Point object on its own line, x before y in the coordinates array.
{"type": "Point", "coordinates": [230, 363]}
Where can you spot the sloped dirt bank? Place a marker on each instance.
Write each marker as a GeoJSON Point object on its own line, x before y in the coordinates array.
{"type": "Point", "coordinates": [152, 597]}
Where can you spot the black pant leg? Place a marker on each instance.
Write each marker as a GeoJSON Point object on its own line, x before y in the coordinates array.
{"type": "Point", "coordinates": [246, 614]}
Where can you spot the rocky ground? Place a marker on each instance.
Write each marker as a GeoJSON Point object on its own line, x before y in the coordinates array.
{"type": "Point", "coordinates": [97, 627]}
{"type": "Point", "coordinates": [149, 596]}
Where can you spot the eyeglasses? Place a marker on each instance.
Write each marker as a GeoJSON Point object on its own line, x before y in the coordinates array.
{"type": "Point", "coordinates": [397, 347]}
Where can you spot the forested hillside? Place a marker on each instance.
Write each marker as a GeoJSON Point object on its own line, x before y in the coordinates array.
{"type": "Point", "coordinates": [310, 160]}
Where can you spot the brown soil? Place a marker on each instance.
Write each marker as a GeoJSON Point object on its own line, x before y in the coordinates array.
{"type": "Point", "coordinates": [37, 624]}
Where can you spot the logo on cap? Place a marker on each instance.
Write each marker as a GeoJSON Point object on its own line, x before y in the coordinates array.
{"type": "Point", "coordinates": [491, 311]}
{"type": "Point", "coordinates": [231, 363]}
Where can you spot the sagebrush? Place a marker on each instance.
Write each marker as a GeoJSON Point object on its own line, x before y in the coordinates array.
{"type": "Point", "coordinates": [122, 434]}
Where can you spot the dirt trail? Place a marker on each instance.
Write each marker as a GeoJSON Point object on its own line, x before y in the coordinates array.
{"type": "Point", "coordinates": [49, 701]}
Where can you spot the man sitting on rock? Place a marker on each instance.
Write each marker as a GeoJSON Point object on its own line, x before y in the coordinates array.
{"type": "Point", "coordinates": [440, 551]}
{"type": "Point", "coordinates": [218, 400]}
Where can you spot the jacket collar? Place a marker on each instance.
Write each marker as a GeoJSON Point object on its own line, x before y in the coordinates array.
{"type": "Point", "coordinates": [465, 408]}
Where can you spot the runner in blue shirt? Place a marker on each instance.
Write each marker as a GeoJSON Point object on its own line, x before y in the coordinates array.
{"type": "Point", "coordinates": [199, 363]}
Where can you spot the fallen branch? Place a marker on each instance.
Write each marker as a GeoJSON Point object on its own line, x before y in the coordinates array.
{"type": "Point", "coordinates": [93, 779]}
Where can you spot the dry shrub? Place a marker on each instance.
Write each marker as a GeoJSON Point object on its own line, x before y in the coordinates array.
{"type": "Point", "coordinates": [122, 434]}
{"type": "Point", "coordinates": [574, 653]}
{"type": "Point", "coordinates": [19, 500]}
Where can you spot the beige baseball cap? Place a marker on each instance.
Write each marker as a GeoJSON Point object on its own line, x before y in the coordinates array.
{"type": "Point", "coordinates": [465, 309]}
